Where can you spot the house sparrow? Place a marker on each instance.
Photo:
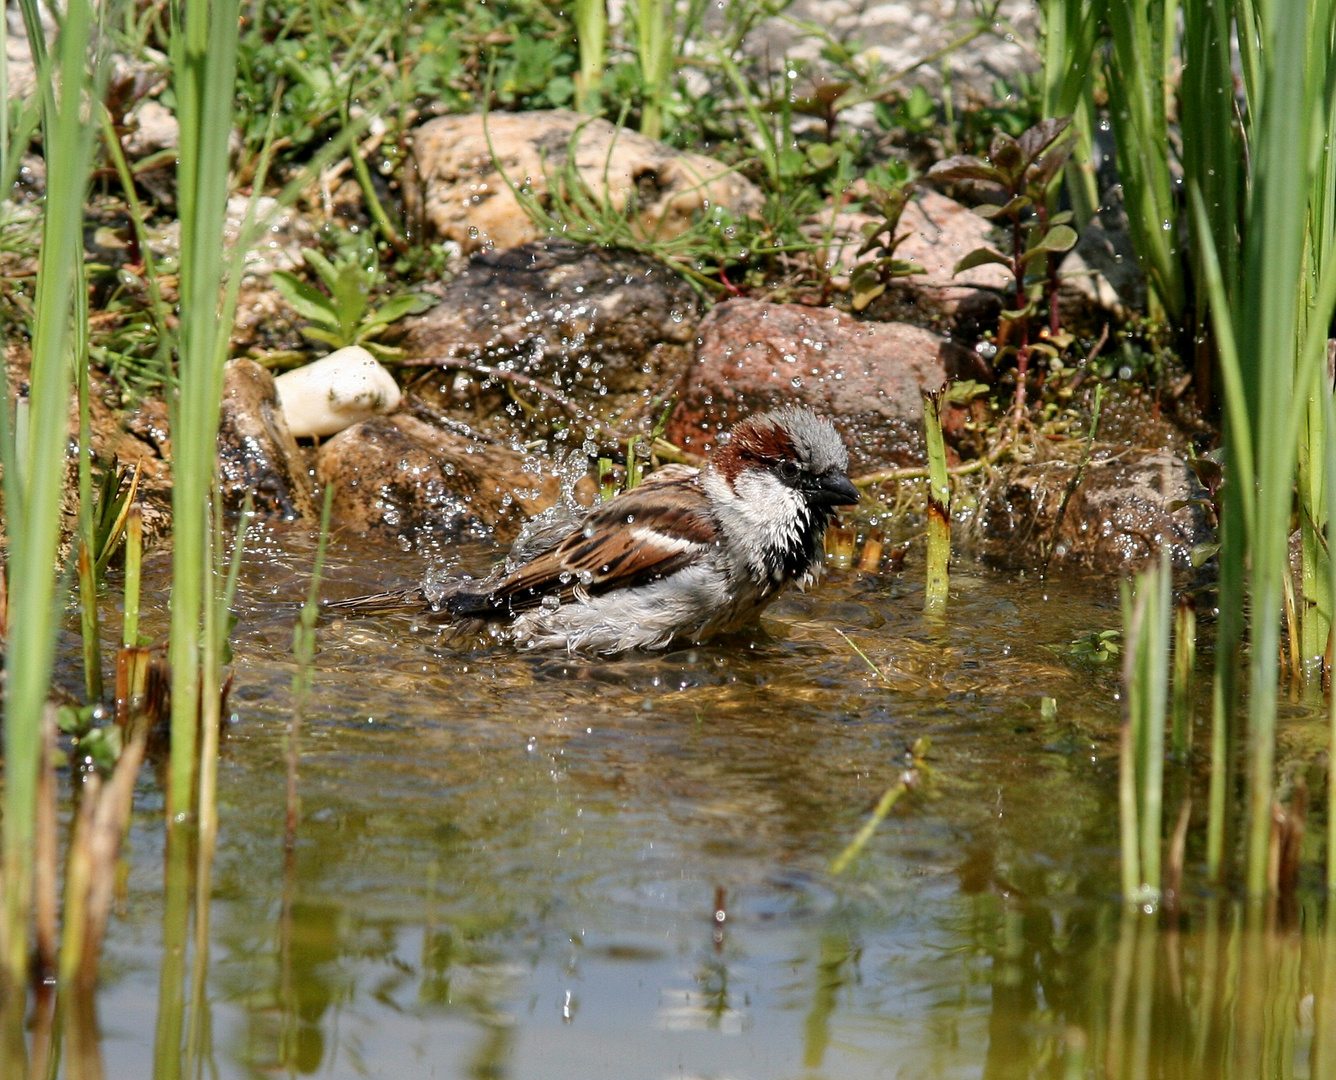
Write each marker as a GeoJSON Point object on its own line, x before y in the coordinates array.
{"type": "Point", "coordinates": [687, 555]}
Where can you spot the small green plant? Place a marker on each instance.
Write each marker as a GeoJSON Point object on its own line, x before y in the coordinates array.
{"type": "Point", "coordinates": [345, 315]}
{"type": "Point", "coordinates": [1020, 173]}
{"type": "Point", "coordinates": [890, 188]}
{"type": "Point", "coordinates": [915, 114]}
{"type": "Point", "coordinates": [1099, 647]}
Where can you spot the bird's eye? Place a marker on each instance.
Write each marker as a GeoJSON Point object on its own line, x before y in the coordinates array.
{"type": "Point", "coordinates": [789, 470]}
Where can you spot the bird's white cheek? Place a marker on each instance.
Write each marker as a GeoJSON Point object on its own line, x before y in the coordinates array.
{"type": "Point", "coordinates": [773, 510]}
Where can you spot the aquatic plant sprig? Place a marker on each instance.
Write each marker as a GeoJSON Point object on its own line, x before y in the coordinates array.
{"type": "Point", "coordinates": [1141, 747]}
{"type": "Point", "coordinates": [1020, 172]}
{"type": "Point", "coordinates": [937, 586]}
{"type": "Point", "coordinates": [910, 777]}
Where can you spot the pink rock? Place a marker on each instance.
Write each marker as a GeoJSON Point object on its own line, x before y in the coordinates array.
{"type": "Point", "coordinates": [866, 376]}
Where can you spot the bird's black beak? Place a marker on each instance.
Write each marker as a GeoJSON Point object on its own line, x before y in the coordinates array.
{"type": "Point", "coordinates": [834, 489]}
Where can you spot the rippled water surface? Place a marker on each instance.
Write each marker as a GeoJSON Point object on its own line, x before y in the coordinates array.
{"type": "Point", "coordinates": [547, 867]}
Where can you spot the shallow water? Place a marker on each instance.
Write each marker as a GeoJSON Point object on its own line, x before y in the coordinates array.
{"type": "Point", "coordinates": [524, 866]}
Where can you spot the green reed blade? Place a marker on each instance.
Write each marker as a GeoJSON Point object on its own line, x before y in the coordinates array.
{"type": "Point", "coordinates": [1141, 133]}
{"type": "Point", "coordinates": [654, 42]}
{"type": "Point", "coordinates": [134, 552]}
{"type": "Point", "coordinates": [203, 47]}
{"type": "Point", "coordinates": [1212, 150]}
{"type": "Point", "coordinates": [1155, 671]}
{"type": "Point", "coordinates": [35, 469]}
{"type": "Point", "coordinates": [1145, 606]}
{"type": "Point", "coordinates": [1329, 450]}
{"type": "Point", "coordinates": [1185, 663]}
{"type": "Point", "coordinates": [591, 30]}
{"type": "Point", "coordinates": [1069, 77]}
{"type": "Point", "coordinates": [1272, 264]}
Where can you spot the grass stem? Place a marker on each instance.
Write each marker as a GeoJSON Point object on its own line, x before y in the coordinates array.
{"type": "Point", "coordinates": [939, 507]}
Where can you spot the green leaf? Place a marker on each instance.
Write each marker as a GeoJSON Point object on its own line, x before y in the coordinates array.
{"type": "Point", "coordinates": [966, 167]}
{"type": "Point", "coordinates": [822, 155]}
{"type": "Point", "coordinates": [352, 297]}
{"type": "Point", "coordinates": [332, 338]}
{"type": "Point", "coordinates": [395, 309]}
{"type": "Point", "coordinates": [981, 256]}
{"type": "Point", "coordinates": [308, 301]}
{"type": "Point", "coordinates": [1058, 239]}
{"type": "Point", "coordinates": [328, 272]}
{"type": "Point", "coordinates": [866, 285]}
{"type": "Point", "coordinates": [1011, 209]}
{"type": "Point", "coordinates": [965, 391]}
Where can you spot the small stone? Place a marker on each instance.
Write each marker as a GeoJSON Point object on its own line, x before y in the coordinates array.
{"type": "Point", "coordinates": [336, 392]}
{"type": "Point", "coordinates": [257, 454]}
{"type": "Point", "coordinates": [153, 128]}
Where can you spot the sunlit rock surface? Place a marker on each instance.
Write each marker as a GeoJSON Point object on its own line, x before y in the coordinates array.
{"type": "Point", "coordinates": [457, 191]}
{"type": "Point", "coordinates": [939, 232]}
{"type": "Point", "coordinates": [336, 392]}
{"type": "Point", "coordinates": [866, 376]}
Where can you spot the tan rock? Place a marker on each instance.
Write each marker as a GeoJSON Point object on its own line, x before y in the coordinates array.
{"type": "Point", "coordinates": [459, 193]}
{"type": "Point", "coordinates": [941, 232]}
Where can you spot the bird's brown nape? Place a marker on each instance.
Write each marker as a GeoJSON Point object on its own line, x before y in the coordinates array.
{"type": "Point", "coordinates": [758, 440]}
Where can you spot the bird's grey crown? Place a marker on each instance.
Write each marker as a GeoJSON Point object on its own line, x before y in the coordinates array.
{"type": "Point", "coordinates": [815, 440]}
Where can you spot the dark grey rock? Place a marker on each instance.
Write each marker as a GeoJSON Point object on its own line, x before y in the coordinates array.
{"type": "Point", "coordinates": [569, 314]}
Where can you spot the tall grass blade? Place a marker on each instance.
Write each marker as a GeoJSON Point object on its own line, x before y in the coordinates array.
{"type": "Point", "coordinates": [1146, 608]}
{"type": "Point", "coordinates": [591, 31]}
{"type": "Point", "coordinates": [203, 48]}
{"type": "Point", "coordinates": [654, 41]}
{"type": "Point", "coordinates": [1272, 263]}
{"type": "Point", "coordinates": [1070, 28]}
{"type": "Point", "coordinates": [1141, 131]}
{"type": "Point", "coordinates": [34, 472]}
{"type": "Point", "coordinates": [1185, 664]}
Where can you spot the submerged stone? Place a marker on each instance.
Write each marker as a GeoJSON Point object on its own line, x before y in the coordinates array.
{"type": "Point", "coordinates": [1128, 504]}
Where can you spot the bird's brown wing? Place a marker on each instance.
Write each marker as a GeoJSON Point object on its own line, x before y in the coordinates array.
{"type": "Point", "coordinates": [639, 536]}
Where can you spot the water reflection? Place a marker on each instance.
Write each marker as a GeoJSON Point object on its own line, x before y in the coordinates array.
{"type": "Point", "coordinates": [513, 866]}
